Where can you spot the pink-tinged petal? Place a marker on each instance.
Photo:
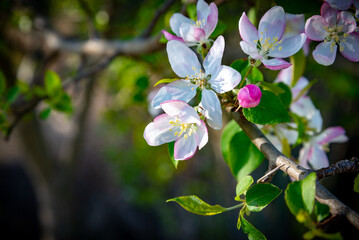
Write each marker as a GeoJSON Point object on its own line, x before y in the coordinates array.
{"type": "Point", "coordinates": [170, 36]}
{"type": "Point", "coordinates": [212, 20]}
{"type": "Point", "coordinates": [248, 31]}
{"type": "Point", "coordinates": [202, 135]}
{"type": "Point", "coordinates": [185, 148]}
{"type": "Point", "coordinates": [318, 158]}
{"type": "Point", "coordinates": [289, 46]}
{"type": "Point", "coordinates": [250, 50]}
{"type": "Point", "coordinates": [212, 109]}
{"type": "Point", "coordinates": [176, 20]}
{"type": "Point", "coordinates": [350, 48]}
{"type": "Point", "coordinates": [214, 57]}
{"type": "Point", "coordinates": [356, 4]}
{"type": "Point", "coordinates": [314, 28]}
{"type": "Point", "coordinates": [304, 107]}
{"type": "Point", "coordinates": [182, 110]}
{"type": "Point", "coordinates": [299, 86]}
{"type": "Point", "coordinates": [182, 59]}
{"type": "Point", "coordinates": [275, 63]}
{"type": "Point", "coordinates": [347, 21]}
{"type": "Point", "coordinates": [330, 135]}
{"type": "Point", "coordinates": [306, 46]}
{"type": "Point", "coordinates": [177, 90]}
{"type": "Point", "coordinates": [158, 132]}
{"type": "Point", "coordinates": [325, 53]}
{"type": "Point", "coordinates": [316, 121]}
{"type": "Point", "coordinates": [340, 4]}
{"type": "Point", "coordinates": [249, 96]}
{"type": "Point", "coordinates": [272, 24]}
{"type": "Point", "coordinates": [304, 155]}
{"type": "Point", "coordinates": [294, 25]}
{"type": "Point", "coordinates": [203, 10]}
{"type": "Point", "coordinates": [225, 79]}
{"type": "Point", "coordinates": [290, 135]}
{"type": "Point", "coordinates": [191, 34]}
{"type": "Point", "coordinates": [285, 76]}
{"type": "Point", "coordinates": [329, 14]}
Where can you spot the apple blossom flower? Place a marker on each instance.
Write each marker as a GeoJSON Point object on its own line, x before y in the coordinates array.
{"type": "Point", "coordinates": [336, 29]}
{"type": "Point", "coordinates": [295, 25]}
{"type": "Point", "coordinates": [313, 152]}
{"type": "Point", "coordinates": [249, 96]}
{"type": "Point", "coordinates": [286, 76]}
{"type": "Point", "coordinates": [215, 76]}
{"type": "Point", "coordinates": [179, 123]}
{"type": "Point", "coordinates": [194, 33]}
{"type": "Point", "coordinates": [266, 44]}
{"type": "Point", "coordinates": [277, 133]}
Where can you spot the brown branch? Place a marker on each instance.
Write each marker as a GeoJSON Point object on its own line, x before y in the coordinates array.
{"type": "Point", "coordinates": [343, 166]}
{"type": "Point", "coordinates": [164, 8]}
{"type": "Point", "coordinates": [337, 208]}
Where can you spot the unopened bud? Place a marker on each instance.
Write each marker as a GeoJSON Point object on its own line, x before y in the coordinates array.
{"type": "Point", "coordinates": [249, 96]}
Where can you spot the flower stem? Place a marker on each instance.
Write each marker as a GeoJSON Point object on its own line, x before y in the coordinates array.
{"type": "Point", "coordinates": [241, 84]}
{"type": "Point", "coordinates": [235, 207]}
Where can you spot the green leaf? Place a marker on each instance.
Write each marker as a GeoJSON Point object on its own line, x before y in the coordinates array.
{"type": "Point", "coordinates": [241, 65]}
{"type": "Point", "coordinates": [39, 91]}
{"type": "Point", "coordinates": [23, 86]}
{"type": "Point", "coordinates": [244, 157]}
{"type": "Point", "coordinates": [299, 7]}
{"type": "Point", "coordinates": [252, 232]}
{"type": "Point", "coordinates": [243, 184]}
{"type": "Point", "coordinates": [272, 87]}
{"type": "Point", "coordinates": [298, 62]}
{"type": "Point", "coordinates": [252, 15]}
{"type": "Point", "coordinates": [293, 197]}
{"type": "Point", "coordinates": [44, 114]}
{"type": "Point", "coordinates": [166, 80]}
{"type": "Point", "coordinates": [300, 195]}
{"type": "Point", "coordinates": [286, 96]}
{"type": "Point", "coordinates": [300, 127]}
{"type": "Point", "coordinates": [195, 205]}
{"type": "Point", "coordinates": [62, 103]}
{"type": "Point", "coordinates": [260, 195]}
{"type": "Point", "coordinates": [2, 83]}
{"type": "Point", "coordinates": [192, 11]}
{"type": "Point", "coordinates": [321, 211]}
{"type": "Point", "coordinates": [219, 30]}
{"type": "Point", "coordinates": [12, 93]}
{"type": "Point", "coordinates": [356, 184]}
{"type": "Point", "coordinates": [171, 147]}
{"type": "Point", "coordinates": [227, 134]}
{"type": "Point", "coordinates": [255, 76]}
{"type": "Point", "coordinates": [52, 83]}
{"type": "Point", "coordinates": [270, 110]}
{"type": "Point", "coordinates": [308, 192]}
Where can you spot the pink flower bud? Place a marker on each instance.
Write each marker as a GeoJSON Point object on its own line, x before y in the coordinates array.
{"type": "Point", "coordinates": [249, 96]}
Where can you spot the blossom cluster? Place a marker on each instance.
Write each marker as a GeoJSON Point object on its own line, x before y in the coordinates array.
{"type": "Point", "coordinates": [203, 81]}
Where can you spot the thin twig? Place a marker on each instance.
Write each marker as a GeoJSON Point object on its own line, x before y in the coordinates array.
{"type": "Point", "coordinates": [269, 175]}
{"type": "Point", "coordinates": [343, 166]}
{"type": "Point", "coordinates": [164, 8]}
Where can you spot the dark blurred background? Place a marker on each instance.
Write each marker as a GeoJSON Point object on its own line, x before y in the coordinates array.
{"type": "Point", "coordinates": [91, 175]}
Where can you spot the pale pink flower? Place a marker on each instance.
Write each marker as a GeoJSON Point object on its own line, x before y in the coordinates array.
{"type": "Point", "coordinates": [179, 123]}
{"type": "Point", "coordinates": [335, 29]}
{"type": "Point", "coordinates": [194, 33]}
{"type": "Point", "coordinates": [267, 44]}
{"type": "Point", "coordinates": [313, 152]}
